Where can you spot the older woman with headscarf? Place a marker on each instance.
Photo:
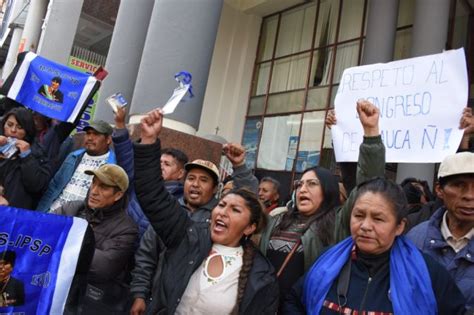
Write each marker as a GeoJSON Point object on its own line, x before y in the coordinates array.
{"type": "Point", "coordinates": [25, 173]}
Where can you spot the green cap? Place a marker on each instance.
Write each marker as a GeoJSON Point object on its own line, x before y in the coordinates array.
{"type": "Point", "coordinates": [100, 126]}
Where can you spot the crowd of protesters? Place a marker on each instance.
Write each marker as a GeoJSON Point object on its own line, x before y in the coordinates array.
{"type": "Point", "coordinates": [159, 240]}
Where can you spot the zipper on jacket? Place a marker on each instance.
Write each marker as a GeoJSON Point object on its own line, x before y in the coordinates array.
{"type": "Point", "coordinates": [365, 295]}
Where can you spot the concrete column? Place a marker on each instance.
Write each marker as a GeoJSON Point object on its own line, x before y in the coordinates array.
{"type": "Point", "coordinates": [16, 30]}
{"type": "Point", "coordinates": [59, 29]}
{"type": "Point", "coordinates": [181, 36]}
{"type": "Point", "coordinates": [379, 44]}
{"type": "Point", "coordinates": [430, 32]}
{"type": "Point", "coordinates": [381, 31]}
{"type": "Point", "coordinates": [125, 53]}
{"type": "Point", "coordinates": [34, 21]}
{"type": "Point", "coordinates": [10, 62]}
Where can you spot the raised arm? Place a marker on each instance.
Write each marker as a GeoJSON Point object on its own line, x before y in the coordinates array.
{"type": "Point", "coordinates": [242, 175]}
{"type": "Point", "coordinates": [123, 145]}
{"type": "Point", "coordinates": [371, 163]}
{"type": "Point", "coordinates": [168, 218]}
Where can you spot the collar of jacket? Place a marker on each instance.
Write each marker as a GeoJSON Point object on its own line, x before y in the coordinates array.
{"type": "Point", "coordinates": [174, 187]}
{"type": "Point", "coordinates": [112, 159]}
{"type": "Point", "coordinates": [96, 216]}
{"type": "Point", "coordinates": [434, 238]}
{"type": "Point", "coordinates": [207, 207]}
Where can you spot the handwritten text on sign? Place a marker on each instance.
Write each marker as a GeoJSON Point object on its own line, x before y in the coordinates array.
{"type": "Point", "coordinates": [420, 100]}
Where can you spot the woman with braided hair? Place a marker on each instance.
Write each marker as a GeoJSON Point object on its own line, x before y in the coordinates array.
{"type": "Point", "coordinates": [208, 267]}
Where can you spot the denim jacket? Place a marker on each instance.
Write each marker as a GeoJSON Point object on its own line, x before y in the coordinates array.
{"type": "Point", "coordinates": [428, 238]}
{"type": "Point", "coordinates": [63, 176]}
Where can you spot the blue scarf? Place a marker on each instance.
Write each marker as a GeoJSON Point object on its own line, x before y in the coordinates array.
{"type": "Point", "coordinates": [411, 291]}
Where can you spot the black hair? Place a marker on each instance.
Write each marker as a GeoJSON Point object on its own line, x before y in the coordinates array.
{"type": "Point", "coordinates": [392, 193]}
{"type": "Point", "coordinates": [257, 217]}
{"type": "Point", "coordinates": [276, 184]}
{"type": "Point", "coordinates": [413, 192]}
{"type": "Point", "coordinates": [179, 155]}
{"type": "Point", "coordinates": [25, 120]}
{"type": "Point", "coordinates": [257, 213]}
{"type": "Point", "coordinates": [325, 216]}
{"type": "Point", "coordinates": [57, 79]}
{"type": "Point", "coordinates": [8, 257]}
{"type": "Point", "coordinates": [215, 179]}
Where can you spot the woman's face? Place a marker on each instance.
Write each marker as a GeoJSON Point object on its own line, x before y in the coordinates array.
{"type": "Point", "coordinates": [13, 129]}
{"type": "Point", "coordinates": [309, 194]}
{"type": "Point", "coordinates": [230, 221]}
{"type": "Point", "coordinates": [374, 224]}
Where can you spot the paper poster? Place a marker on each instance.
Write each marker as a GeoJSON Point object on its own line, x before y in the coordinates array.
{"type": "Point", "coordinates": [420, 101]}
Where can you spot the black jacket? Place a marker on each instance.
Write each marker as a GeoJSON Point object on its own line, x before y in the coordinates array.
{"type": "Point", "coordinates": [115, 234]}
{"type": "Point", "coordinates": [14, 292]}
{"type": "Point", "coordinates": [26, 178]}
{"type": "Point", "coordinates": [372, 295]}
{"type": "Point", "coordinates": [149, 258]}
{"type": "Point", "coordinates": [188, 243]}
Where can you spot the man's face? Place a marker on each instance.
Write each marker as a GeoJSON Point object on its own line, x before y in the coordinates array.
{"type": "Point", "coordinates": [6, 269]}
{"type": "Point", "coordinates": [170, 168]}
{"type": "Point", "coordinates": [102, 195]}
{"type": "Point", "coordinates": [96, 143]}
{"type": "Point", "coordinates": [458, 197]}
{"type": "Point", "coordinates": [199, 188]}
{"type": "Point", "coordinates": [54, 85]}
{"type": "Point", "coordinates": [267, 193]}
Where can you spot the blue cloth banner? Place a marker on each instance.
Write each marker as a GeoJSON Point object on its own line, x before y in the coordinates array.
{"type": "Point", "coordinates": [52, 89]}
{"type": "Point", "coordinates": [409, 278]}
{"type": "Point", "coordinates": [38, 259]}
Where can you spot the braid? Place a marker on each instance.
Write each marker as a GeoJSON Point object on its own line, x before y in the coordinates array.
{"type": "Point", "coordinates": [247, 262]}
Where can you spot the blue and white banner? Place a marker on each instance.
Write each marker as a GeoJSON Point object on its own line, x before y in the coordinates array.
{"type": "Point", "coordinates": [38, 259]}
{"type": "Point", "coordinates": [52, 89]}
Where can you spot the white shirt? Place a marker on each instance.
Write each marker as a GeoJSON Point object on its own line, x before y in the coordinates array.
{"type": "Point", "coordinates": [456, 243]}
{"type": "Point", "coordinates": [208, 295]}
{"type": "Point", "coordinates": [79, 183]}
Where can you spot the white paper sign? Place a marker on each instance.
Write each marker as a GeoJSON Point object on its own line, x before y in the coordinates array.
{"type": "Point", "coordinates": [420, 100]}
{"type": "Point", "coordinates": [174, 100]}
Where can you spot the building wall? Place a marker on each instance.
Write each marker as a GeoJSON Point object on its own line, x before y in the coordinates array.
{"type": "Point", "coordinates": [227, 92]}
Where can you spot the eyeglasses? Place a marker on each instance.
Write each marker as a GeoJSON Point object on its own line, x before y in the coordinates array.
{"type": "Point", "coordinates": [310, 183]}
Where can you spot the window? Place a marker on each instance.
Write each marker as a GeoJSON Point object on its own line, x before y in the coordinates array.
{"type": "Point", "coordinates": [301, 56]}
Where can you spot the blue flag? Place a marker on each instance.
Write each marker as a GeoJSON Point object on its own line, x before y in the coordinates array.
{"type": "Point", "coordinates": [52, 89]}
{"type": "Point", "coordinates": [38, 259]}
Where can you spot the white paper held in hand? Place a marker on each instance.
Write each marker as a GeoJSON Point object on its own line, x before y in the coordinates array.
{"type": "Point", "coordinates": [174, 100]}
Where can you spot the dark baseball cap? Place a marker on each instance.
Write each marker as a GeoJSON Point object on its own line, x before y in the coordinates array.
{"type": "Point", "coordinates": [100, 126]}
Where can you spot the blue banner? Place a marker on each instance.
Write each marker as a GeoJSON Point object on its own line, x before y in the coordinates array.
{"type": "Point", "coordinates": [38, 258]}
{"type": "Point", "coordinates": [52, 89]}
